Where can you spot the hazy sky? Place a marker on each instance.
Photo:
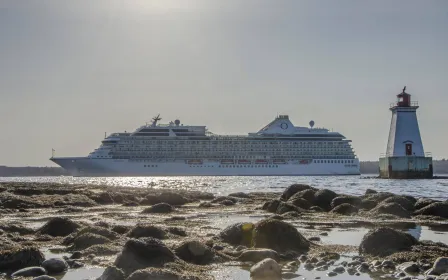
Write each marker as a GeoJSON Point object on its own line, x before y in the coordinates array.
{"type": "Point", "coordinates": [72, 70]}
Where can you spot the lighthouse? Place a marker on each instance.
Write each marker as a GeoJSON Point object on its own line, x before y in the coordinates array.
{"type": "Point", "coordinates": [405, 157]}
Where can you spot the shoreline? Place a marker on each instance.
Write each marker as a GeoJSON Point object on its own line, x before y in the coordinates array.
{"type": "Point", "coordinates": [113, 216]}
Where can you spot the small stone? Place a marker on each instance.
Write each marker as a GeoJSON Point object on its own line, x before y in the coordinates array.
{"type": "Point", "coordinates": [289, 275]}
{"type": "Point", "coordinates": [76, 255]}
{"type": "Point", "coordinates": [314, 238]}
{"type": "Point", "coordinates": [409, 267]}
{"type": "Point", "coordinates": [339, 269]}
{"type": "Point", "coordinates": [440, 266]}
{"type": "Point", "coordinates": [218, 247]}
{"type": "Point", "coordinates": [309, 266]}
{"type": "Point", "coordinates": [292, 264]}
{"type": "Point", "coordinates": [351, 271]}
{"type": "Point", "coordinates": [324, 233]}
{"type": "Point", "coordinates": [303, 258]}
{"type": "Point", "coordinates": [320, 263]}
{"type": "Point", "coordinates": [388, 264]}
{"type": "Point", "coordinates": [332, 274]}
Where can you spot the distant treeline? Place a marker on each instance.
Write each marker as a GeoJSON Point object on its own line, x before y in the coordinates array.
{"type": "Point", "coordinates": [367, 167]}
{"type": "Point", "coordinates": [31, 171]}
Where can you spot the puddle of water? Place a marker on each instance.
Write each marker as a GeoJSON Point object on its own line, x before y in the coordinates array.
{"type": "Point", "coordinates": [343, 236]}
{"type": "Point", "coordinates": [82, 274]}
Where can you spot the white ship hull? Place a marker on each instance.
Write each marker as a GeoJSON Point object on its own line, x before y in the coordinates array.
{"type": "Point", "coordinates": [111, 167]}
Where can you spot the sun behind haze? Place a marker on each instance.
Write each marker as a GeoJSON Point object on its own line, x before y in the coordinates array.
{"type": "Point", "coordinates": [73, 70]}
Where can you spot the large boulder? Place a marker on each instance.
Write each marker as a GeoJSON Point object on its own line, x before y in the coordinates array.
{"type": "Point", "coordinates": [279, 236]}
{"type": "Point", "coordinates": [440, 266]}
{"type": "Point", "coordinates": [112, 273]}
{"type": "Point", "coordinates": [142, 253]}
{"type": "Point", "coordinates": [345, 209]}
{"type": "Point", "coordinates": [267, 269]}
{"type": "Point", "coordinates": [271, 206]}
{"type": "Point", "coordinates": [159, 208]}
{"type": "Point", "coordinates": [55, 266]}
{"type": "Point", "coordinates": [390, 209]}
{"type": "Point", "coordinates": [144, 230]}
{"type": "Point", "coordinates": [101, 231]}
{"type": "Point", "coordinates": [86, 240]}
{"type": "Point", "coordinates": [378, 197]}
{"type": "Point", "coordinates": [423, 202]}
{"type": "Point", "coordinates": [384, 241]}
{"type": "Point", "coordinates": [323, 198]}
{"type": "Point", "coordinates": [20, 258]}
{"type": "Point", "coordinates": [439, 209]}
{"type": "Point", "coordinates": [194, 251]}
{"type": "Point", "coordinates": [353, 200]}
{"type": "Point", "coordinates": [307, 195]}
{"type": "Point", "coordinates": [59, 226]}
{"type": "Point", "coordinates": [301, 203]}
{"type": "Point", "coordinates": [237, 234]}
{"type": "Point", "coordinates": [285, 207]}
{"type": "Point", "coordinates": [172, 198]}
{"type": "Point", "coordinates": [293, 189]}
{"type": "Point", "coordinates": [403, 201]}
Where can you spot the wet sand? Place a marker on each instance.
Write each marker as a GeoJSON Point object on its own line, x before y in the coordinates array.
{"type": "Point", "coordinates": [26, 207]}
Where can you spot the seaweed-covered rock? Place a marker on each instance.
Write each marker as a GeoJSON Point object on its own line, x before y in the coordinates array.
{"type": "Point", "coordinates": [271, 206]}
{"type": "Point", "coordinates": [112, 273]}
{"type": "Point", "coordinates": [370, 191]}
{"type": "Point", "coordinates": [323, 198]}
{"type": "Point", "coordinates": [193, 251]}
{"type": "Point", "coordinates": [172, 198]}
{"type": "Point", "coordinates": [285, 207]}
{"type": "Point", "coordinates": [237, 234]}
{"type": "Point", "coordinates": [439, 209]}
{"type": "Point", "coordinates": [59, 226]}
{"type": "Point", "coordinates": [142, 253]}
{"type": "Point", "coordinates": [159, 208]}
{"type": "Point", "coordinates": [144, 230]}
{"type": "Point", "coordinates": [402, 201]}
{"type": "Point", "coordinates": [308, 195]}
{"type": "Point", "coordinates": [345, 209]}
{"type": "Point", "coordinates": [96, 230]}
{"type": "Point", "coordinates": [423, 202]}
{"type": "Point", "coordinates": [390, 209]}
{"type": "Point", "coordinates": [102, 250]}
{"type": "Point", "coordinates": [353, 200]}
{"type": "Point", "coordinates": [177, 231]}
{"type": "Point", "coordinates": [120, 229]}
{"type": "Point", "coordinates": [301, 203]}
{"type": "Point", "coordinates": [85, 240]}
{"type": "Point", "coordinates": [20, 258]}
{"type": "Point", "coordinates": [227, 202]}
{"type": "Point", "coordinates": [378, 197]}
{"type": "Point", "coordinates": [384, 241]}
{"type": "Point", "coordinates": [279, 236]}
{"type": "Point", "coordinates": [293, 189]}
{"type": "Point", "coordinates": [7, 244]}
{"type": "Point", "coordinates": [150, 200]}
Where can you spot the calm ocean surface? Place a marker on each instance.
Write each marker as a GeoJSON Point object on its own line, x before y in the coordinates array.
{"type": "Point", "coordinates": [436, 188]}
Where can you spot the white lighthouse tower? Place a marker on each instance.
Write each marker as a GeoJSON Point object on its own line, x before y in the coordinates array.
{"type": "Point", "coordinates": [405, 157]}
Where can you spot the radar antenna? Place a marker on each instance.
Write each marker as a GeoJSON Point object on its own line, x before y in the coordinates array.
{"type": "Point", "coordinates": [155, 120]}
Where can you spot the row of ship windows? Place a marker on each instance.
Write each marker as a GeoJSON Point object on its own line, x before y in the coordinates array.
{"type": "Point", "coordinates": [171, 142]}
{"type": "Point", "coordinates": [151, 165]}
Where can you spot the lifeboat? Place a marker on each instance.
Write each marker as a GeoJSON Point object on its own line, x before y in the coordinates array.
{"type": "Point", "coordinates": [261, 161]}
{"type": "Point", "coordinates": [244, 161]}
{"type": "Point", "coordinates": [304, 161]}
{"type": "Point", "coordinates": [227, 161]}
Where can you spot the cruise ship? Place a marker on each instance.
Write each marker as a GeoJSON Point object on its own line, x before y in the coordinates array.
{"type": "Point", "coordinates": [175, 149]}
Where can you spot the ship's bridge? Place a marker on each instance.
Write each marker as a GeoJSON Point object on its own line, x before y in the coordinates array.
{"type": "Point", "coordinates": [281, 125]}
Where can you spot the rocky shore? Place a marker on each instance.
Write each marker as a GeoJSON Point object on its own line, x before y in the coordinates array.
{"type": "Point", "coordinates": [136, 233]}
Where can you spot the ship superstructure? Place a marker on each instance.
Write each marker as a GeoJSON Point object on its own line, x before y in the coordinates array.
{"type": "Point", "coordinates": [174, 149]}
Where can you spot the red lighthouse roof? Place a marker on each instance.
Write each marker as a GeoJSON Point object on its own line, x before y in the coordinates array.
{"type": "Point", "coordinates": [404, 99]}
